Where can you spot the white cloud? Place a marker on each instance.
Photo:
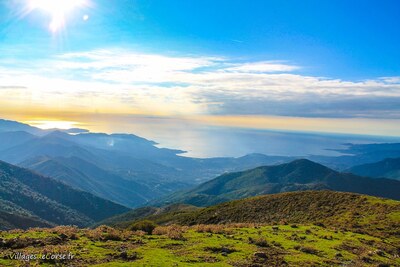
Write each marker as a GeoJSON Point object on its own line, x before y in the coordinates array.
{"type": "Point", "coordinates": [391, 79]}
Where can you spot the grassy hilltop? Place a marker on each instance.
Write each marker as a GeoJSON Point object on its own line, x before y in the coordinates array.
{"type": "Point", "coordinates": [339, 229]}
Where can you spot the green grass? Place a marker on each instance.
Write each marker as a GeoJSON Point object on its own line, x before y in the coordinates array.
{"type": "Point", "coordinates": [291, 229]}
{"type": "Point", "coordinates": [228, 245]}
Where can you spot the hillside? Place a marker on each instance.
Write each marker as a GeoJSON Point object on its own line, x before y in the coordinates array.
{"type": "Point", "coordinates": [298, 175]}
{"type": "Point", "coordinates": [89, 177]}
{"type": "Point", "coordinates": [10, 139]}
{"type": "Point", "coordinates": [360, 213]}
{"type": "Point", "coordinates": [42, 201]}
{"type": "Point", "coordinates": [388, 168]}
{"type": "Point", "coordinates": [311, 228]}
{"type": "Point", "coordinates": [13, 216]}
{"type": "Point", "coordinates": [156, 214]}
{"type": "Point", "coordinates": [335, 209]}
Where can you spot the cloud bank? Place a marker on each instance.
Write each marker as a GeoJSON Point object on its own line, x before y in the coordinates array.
{"type": "Point", "coordinates": [123, 81]}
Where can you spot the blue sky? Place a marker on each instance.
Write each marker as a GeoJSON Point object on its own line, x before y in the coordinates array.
{"type": "Point", "coordinates": [305, 59]}
{"type": "Point", "coordinates": [341, 39]}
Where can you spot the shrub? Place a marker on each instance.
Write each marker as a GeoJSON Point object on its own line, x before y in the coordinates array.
{"type": "Point", "coordinates": [172, 231]}
{"type": "Point", "coordinates": [140, 233]}
{"type": "Point", "coordinates": [175, 232]}
{"type": "Point", "coordinates": [160, 230]}
{"type": "Point", "coordinates": [68, 232]}
{"type": "Point", "coordinates": [104, 233]}
{"type": "Point", "coordinates": [211, 228]}
{"type": "Point", "coordinates": [146, 226]}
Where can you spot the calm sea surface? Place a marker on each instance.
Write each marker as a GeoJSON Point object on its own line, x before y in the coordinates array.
{"type": "Point", "coordinates": [210, 141]}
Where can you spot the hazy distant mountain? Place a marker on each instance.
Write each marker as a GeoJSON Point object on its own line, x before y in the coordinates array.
{"type": "Point", "coordinates": [358, 154]}
{"type": "Point", "coordinates": [13, 126]}
{"type": "Point", "coordinates": [120, 167]}
{"type": "Point", "coordinates": [10, 139]}
{"type": "Point", "coordinates": [52, 145]}
{"type": "Point", "coordinates": [130, 169]}
{"type": "Point", "coordinates": [40, 200]}
{"type": "Point", "coordinates": [388, 168]}
{"type": "Point", "coordinates": [86, 176]}
{"type": "Point", "coordinates": [298, 175]}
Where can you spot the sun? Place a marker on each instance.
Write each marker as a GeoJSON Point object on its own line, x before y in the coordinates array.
{"type": "Point", "coordinates": [58, 10]}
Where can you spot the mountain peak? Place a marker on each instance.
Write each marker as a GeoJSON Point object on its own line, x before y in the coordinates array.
{"type": "Point", "coordinates": [306, 163]}
{"type": "Point", "coordinates": [13, 126]}
{"type": "Point", "coordinates": [58, 133]}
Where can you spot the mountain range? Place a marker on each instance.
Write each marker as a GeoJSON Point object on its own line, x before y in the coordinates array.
{"type": "Point", "coordinates": [298, 175]}
{"type": "Point", "coordinates": [78, 177]}
{"type": "Point", "coordinates": [388, 168]}
{"type": "Point", "coordinates": [124, 168]}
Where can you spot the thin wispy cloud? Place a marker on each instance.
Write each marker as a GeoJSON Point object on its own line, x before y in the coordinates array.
{"type": "Point", "coordinates": [260, 67]}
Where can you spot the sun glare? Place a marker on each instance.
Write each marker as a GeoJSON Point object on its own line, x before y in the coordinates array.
{"type": "Point", "coordinates": [57, 10]}
{"type": "Point", "coordinates": [64, 125]}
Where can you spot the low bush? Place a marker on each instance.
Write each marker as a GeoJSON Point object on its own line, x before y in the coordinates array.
{"type": "Point", "coordinates": [211, 228]}
{"type": "Point", "coordinates": [145, 226]}
{"type": "Point", "coordinates": [104, 233]}
{"type": "Point", "coordinates": [172, 231]}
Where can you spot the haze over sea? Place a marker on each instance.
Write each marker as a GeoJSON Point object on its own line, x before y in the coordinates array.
{"type": "Point", "coordinates": [203, 141]}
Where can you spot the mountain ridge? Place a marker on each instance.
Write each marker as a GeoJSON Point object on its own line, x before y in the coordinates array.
{"type": "Point", "coordinates": [339, 210]}
{"type": "Point", "coordinates": [388, 168]}
{"type": "Point", "coordinates": [43, 199]}
{"type": "Point", "coordinates": [301, 174]}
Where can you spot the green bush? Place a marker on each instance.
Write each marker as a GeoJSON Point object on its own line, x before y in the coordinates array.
{"type": "Point", "coordinates": [146, 226]}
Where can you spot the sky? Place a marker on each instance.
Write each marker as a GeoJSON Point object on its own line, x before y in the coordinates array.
{"type": "Point", "coordinates": [320, 66]}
